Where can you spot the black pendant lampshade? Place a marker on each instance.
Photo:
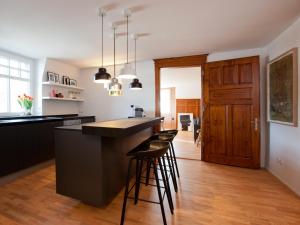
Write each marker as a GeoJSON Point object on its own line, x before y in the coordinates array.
{"type": "Point", "coordinates": [102, 76]}
{"type": "Point", "coordinates": [136, 84]}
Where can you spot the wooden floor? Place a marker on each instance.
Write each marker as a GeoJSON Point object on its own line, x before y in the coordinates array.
{"type": "Point", "coordinates": [208, 194]}
{"type": "Point", "coordinates": [185, 147]}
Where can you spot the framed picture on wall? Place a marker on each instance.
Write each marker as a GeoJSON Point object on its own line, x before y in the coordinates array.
{"type": "Point", "coordinates": [282, 89]}
{"type": "Point", "coordinates": [73, 82]}
{"type": "Point", "coordinates": [57, 78]}
{"type": "Point", "coordinates": [51, 77]}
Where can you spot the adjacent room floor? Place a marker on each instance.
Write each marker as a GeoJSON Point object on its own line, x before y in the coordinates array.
{"type": "Point", "coordinates": [185, 146]}
{"type": "Point", "coordinates": [208, 194]}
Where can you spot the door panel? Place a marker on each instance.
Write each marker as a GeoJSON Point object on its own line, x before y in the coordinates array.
{"type": "Point", "coordinates": [231, 112]}
{"type": "Point", "coordinates": [241, 131]}
{"type": "Point", "coordinates": [218, 130]}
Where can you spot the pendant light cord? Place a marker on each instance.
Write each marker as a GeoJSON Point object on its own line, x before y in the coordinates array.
{"type": "Point", "coordinates": [127, 35]}
{"type": "Point", "coordinates": [102, 15]}
{"type": "Point", "coordinates": [135, 56]}
{"type": "Point", "coordinates": [114, 52]}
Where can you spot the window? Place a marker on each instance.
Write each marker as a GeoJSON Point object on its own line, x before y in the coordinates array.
{"type": "Point", "coordinates": [15, 76]}
{"type": "Point", "coordinates": [165, 101]}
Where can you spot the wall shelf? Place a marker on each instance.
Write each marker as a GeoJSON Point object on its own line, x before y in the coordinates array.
{"type": "Point", "coordinates": [64, 99]}
{"type": "Point", "coordinates": [50, 84]}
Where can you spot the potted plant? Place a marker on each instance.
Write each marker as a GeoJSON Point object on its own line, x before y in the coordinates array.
{"type": "Point", "coordinates": [25, 102]}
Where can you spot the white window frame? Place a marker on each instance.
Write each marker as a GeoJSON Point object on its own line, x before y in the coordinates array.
{"type": "Point", "coordinates": [9, 77]}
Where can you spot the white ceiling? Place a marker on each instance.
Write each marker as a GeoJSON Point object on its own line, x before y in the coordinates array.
{"type": "Point", "coordinates": [70, 29]}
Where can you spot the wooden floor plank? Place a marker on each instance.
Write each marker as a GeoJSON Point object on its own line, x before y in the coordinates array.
{"type": "Point", "coordinates": [208, 194]}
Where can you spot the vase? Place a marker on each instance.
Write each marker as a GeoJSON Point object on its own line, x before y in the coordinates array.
{"type": "Point", "coordinates": [27, 112]}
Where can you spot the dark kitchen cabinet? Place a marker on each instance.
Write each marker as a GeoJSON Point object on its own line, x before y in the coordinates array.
{"type": "Point", "coordinates": [8, 152]}
{"type": "Point", "coordinates": [25, 145]}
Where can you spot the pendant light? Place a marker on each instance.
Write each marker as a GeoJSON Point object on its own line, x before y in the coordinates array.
{"type": "Point", "coordinates": [115, 88]}
{"type": "Point", "coordinates": [102, 76]}
{"type": "Point", "coordinates": [135, 84]}
{"type": "Point", "coordinates": [127, 72]}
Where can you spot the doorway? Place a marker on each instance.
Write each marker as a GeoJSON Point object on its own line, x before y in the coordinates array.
{"type": "Point", "coordinates": [180, 91]}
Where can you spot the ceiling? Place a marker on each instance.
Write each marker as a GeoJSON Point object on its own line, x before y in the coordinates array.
{"type": "Point", "coordinates": [70, 30]}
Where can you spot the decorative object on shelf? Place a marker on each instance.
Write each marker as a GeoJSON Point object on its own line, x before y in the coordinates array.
{"type": "Point", "coordinates": [73, 82]}
{"type": "Point", "coordinates": [282, 89]}
{"type": "Point", "coordinates": [135, 84]}
{"type": "Point", "coordinates": [53, 93]}
{"type": "Point", "coordinates": [59, 95]}
{"type": "Point", "coordinates": [127, 72]}
{"type": "Point", "coordinates": [73, 94]}
{"type": "Point", "coordinates": [57, 78]}
{"type": "Point", "coordinates": [115, 88]}
{"type": "Point", "coordinates": [25, 101]}
{"type": "Point", "coordinates": [65, 80]}
{"type": "Point", "coordinates": [51, 77]}
{"type": "Point", "coordinates": [102, 76]}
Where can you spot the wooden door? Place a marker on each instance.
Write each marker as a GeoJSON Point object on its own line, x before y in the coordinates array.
{"type": "Point", "coordinates": [231, 130]}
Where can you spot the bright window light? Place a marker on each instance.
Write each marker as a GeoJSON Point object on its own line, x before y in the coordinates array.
{"type": "Point", "coordinates": [15, 73]}
{"type": "Point", "coordinates": [165, 101]}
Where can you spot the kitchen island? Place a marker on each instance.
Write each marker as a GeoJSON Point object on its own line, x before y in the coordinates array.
{"type": "Point", "coordinates": [91, 161]}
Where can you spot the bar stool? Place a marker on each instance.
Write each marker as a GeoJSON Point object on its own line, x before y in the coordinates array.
{"type": "Point", "coordinates": [153, 153]}
{"type": "Point", "coordinates": [169, 138]}
{"type": "Point", "coordinates": [173, 132]}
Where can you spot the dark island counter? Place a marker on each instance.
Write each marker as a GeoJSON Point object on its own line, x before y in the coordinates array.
{"type": "Point", "coordinates": [91, 161]}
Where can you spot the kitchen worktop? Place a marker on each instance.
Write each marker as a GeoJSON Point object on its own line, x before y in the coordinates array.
{"type": "Point", "coordinates": [15, 120]}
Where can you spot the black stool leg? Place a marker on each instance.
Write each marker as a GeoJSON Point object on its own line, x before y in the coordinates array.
{"type": "Point", "coordinates": [167, 179]}
{"type": "Point", "coordinates": [148, 172]}
{"type": "Point", "coordinates": [139, 168]}
{"type": "Point", "coordinates": [159, 193]}
{"type": "Point", "coordinates": [126, 193]}
{"type": "Point", "coordinates": [172, 172]}
{"type": "Point", "coordinates": [173, 151]}
{"type": "Point", "coordinates": [166, 185]}
{"type": "Point", "coordinates": [172, 160]}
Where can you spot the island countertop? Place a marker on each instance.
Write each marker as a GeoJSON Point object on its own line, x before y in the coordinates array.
{"type": "Point", "coordinates": [115, 128]}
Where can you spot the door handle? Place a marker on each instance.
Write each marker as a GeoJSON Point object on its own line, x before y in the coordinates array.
{"type": "Point", "coordinates": [255, 122]}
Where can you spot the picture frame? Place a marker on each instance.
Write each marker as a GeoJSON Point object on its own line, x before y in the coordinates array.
{"type": "Point", "coordinates": [57, 78]}
{"type": "Point", "coordinates": [65, 80]}
{"type": "Point", "coordinates": [282, 89]}
{"type": "Point", "coordinates": [51, 77]}
{"type": "Point", "coordinates": [73, 82]}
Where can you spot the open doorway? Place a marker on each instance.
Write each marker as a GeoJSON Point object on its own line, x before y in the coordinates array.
{"type": "Point", "coordinates": [180, 98]}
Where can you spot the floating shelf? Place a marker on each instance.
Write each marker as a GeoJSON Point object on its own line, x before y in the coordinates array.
{"type": "Point", "coordinates": [62, 86]}
{"type": "Point", "coordinates": [64, 99]}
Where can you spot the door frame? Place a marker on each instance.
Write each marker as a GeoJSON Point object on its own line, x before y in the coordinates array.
{"type": "Point", "coordinates": [184, 61]}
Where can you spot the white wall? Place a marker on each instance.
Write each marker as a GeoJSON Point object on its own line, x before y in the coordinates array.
{"type": "Point", "coordinates": [261, 52]}
{"type": "Point", "coordinates": [105, 107]}
{"type": "Point", "coordinates": [285, 140]}
{"type": "Point", "coordinates": [52, 107]}
{"type": "Point", "coordinates": [187, 81]}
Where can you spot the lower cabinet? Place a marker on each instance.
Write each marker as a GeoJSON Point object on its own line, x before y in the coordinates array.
{"type": "Point", "coordinates": [25, 145]}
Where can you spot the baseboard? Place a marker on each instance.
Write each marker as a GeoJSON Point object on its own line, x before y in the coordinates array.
{"type": "Point", "coordinates": [11, 177]}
